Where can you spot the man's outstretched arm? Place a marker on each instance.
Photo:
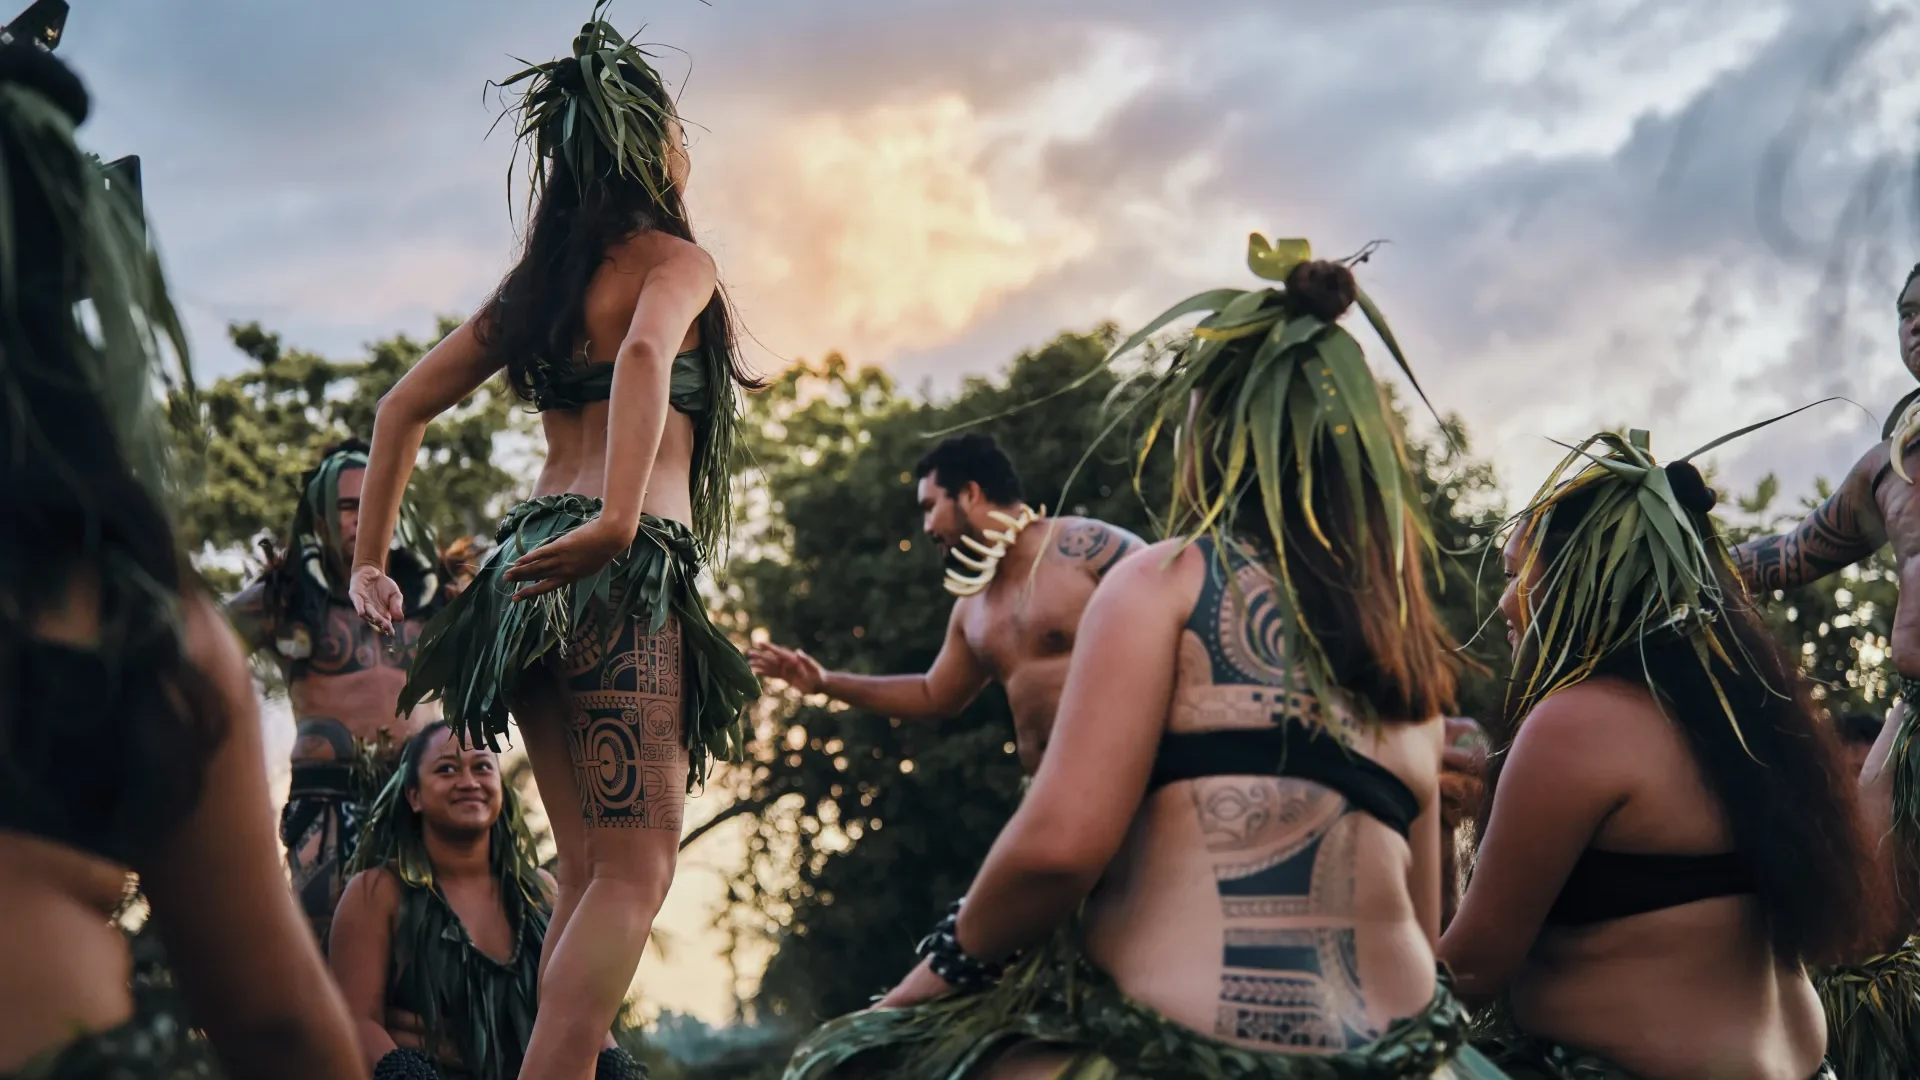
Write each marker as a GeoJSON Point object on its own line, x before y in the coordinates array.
{"type": "Point", "coordinates": [956, 678]}
{"type": "Point", "coordinates": [1834, 536]}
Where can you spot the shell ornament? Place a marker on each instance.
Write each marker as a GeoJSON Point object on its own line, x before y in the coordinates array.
{"type": "Point", "coordinates": [1904, 431]}
{"type": "Point", "coordinates": [985, 561]}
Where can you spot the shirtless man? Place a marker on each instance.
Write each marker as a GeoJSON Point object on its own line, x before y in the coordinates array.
{"type": "Point", "coordinates": [1018, 631]}
{"type": "Point", "coordinates": [1871, 508]}
{"type": "Point", "coordinates": [342, 677]}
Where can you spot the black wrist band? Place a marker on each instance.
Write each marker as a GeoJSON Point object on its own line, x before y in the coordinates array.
{"type": "Point", "coordinates": [615, 1063]}
{"type": "Point", "coordinates": [402, 1063]}
{"type": "Point", "coordinates": [949, 961]}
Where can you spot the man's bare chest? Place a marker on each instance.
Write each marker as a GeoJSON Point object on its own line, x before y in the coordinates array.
{"type": "Point", "coordinates": [1017, 622]}
{"type": "Point", "coordinates": [343, 646]}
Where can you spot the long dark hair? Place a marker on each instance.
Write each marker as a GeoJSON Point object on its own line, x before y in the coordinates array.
{"type": "Point", "coordinates": [1787, 799]}
{"type": "Point", "coordinates": [121, 766]}
{"type": "Point", "coordinates": [1364, 601]}
{"type": "Point", "coordinates": [538, 317]}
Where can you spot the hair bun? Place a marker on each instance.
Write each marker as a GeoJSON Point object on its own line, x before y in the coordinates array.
{"type": "Point", "coordinates": [28, 65]}
{"type": "Point", "coordinates": [1322, 289]}
{"type": "Point", "coordinates": [1691, 488]}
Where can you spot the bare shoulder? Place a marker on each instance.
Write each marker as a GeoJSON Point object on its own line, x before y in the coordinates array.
{"type": "Point", "coordinates": [1596, 726]}
{"type": "Point", "coordinates": [654, 252]}
{"type": "Point", "coordinates": [1093, 545]}
{"type": "Point", "coordinates": [375, 891]}
{"type": "Point", "coordinates": [1170, 565]}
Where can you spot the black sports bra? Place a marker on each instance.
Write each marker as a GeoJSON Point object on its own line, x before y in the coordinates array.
{"type": "Point", "coordinates": [1290, 747]}
{"type": "Point", "coordinates": [574, 387]}
{"type": "Point", "coordinates": [1612, 884]}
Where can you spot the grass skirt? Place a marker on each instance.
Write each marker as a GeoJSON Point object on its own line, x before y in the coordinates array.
{"type": "Point", "coordinates": [473, 654]}
{"type": "Point", "coordinates": [1058, 996]}
{"type": "Point", "coordinates": [1873, 1015]}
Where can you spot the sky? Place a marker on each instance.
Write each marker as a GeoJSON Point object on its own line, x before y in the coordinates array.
{"type": "Point", "coordinates": [1683, 215]}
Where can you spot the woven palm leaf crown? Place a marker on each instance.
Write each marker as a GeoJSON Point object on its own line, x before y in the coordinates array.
{"type": "Point", "coordinates": [601, 112]}
{"type": "Point", "coordinates": [128, 343]}
{"type": "Point", "coordinates": [1279, 385]}
{"type": "Point", "coordinates": [1637, 564]}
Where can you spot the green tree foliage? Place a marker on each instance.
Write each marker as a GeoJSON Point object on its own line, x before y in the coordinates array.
{"type": "Point", "coordinates": [871, 826]}
{"type": "Point", "coordinates": [267, 425]}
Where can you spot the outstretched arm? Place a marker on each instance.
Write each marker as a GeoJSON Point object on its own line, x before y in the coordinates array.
{"type": "Point", "coordinates": [247, 611]}
{"type": "Point", "coordinates": [1837, 534]}
{"type": "Point", "coordinates": [950, 685]}
{"type": "Point", "coordinates": [443, 378]}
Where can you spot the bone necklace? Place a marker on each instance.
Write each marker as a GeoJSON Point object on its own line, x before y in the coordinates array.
{"type": "Point", "coordinates": [1904, 431]}
{"type": "Point", "coordinates": [988, 561]}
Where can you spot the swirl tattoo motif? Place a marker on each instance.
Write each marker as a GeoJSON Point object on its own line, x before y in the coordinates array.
{"type": "Point", "coordinates": [625, 726]}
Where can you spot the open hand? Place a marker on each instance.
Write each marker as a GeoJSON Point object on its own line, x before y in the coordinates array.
{"type": "Point", "coordinates": [376, 598]}
{"type": "Point", "coordinates": [920, 986]}
{"type": "Point", "coordinates": [566, 559]}
{"type": "Point", "coordinates": [792, 666]}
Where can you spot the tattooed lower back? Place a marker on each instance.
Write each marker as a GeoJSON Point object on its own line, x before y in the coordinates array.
{"type": "Point", "coordinates": [1283, 862]}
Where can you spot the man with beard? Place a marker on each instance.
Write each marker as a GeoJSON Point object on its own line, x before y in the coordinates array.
{"type": "Point", "coordinates": [343, 679]}
{"type": "Point", "coordinates": [1012, 623]}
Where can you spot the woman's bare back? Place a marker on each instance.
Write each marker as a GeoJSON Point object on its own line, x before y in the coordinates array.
{"type": "Point", "coordinates": [1690, 990]}
{"type": "Point", "coordinates": [577, 439]}
{"type": "Point", "coordinates": [1268, 911]}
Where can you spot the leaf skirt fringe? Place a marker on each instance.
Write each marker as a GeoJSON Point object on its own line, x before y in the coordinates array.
{"type": "Point", "coordinates": [1057, 995]}
{"type": "Point", "coordinates": [1873, 1015]}
{"type": "Point", "coordinates": [473, 654]}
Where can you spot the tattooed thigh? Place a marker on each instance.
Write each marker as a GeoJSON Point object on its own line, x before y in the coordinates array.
{"type": "Point", "coordinates": [625, 723]}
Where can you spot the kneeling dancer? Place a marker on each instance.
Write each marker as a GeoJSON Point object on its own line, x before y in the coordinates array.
{"type": "Point", "coordinates": [1228, 863]}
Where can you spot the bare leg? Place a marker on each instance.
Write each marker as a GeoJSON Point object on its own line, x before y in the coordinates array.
{"type": "Point", "coordinates": [627, 777]}
{"type": "Point", "coordinates": [542, 713]}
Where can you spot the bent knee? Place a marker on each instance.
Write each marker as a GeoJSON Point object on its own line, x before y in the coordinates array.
{"type": "Point", "coordinates": [635, 870]}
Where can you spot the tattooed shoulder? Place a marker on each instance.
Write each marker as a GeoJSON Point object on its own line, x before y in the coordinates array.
{"type": "Point", "coordinates": [1095, 543]}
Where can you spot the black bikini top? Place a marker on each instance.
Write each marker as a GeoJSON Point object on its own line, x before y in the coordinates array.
{"type": "Point", "coordinates": [1290, 747]}
{"type": "Point", "coordinates": [1612, 885]}
{"type": "Point", "coordinates": [574, 387]}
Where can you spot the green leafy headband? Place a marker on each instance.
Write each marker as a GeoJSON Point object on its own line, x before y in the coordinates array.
{"type": "Point", "coordinates": [1636, 563]}
{"type": "Point", "coordinates": [602, 111]}
{"type": "Point", "coordinates": [1279, 385]}
{"type": "Point", "coordinates": [133, 343]}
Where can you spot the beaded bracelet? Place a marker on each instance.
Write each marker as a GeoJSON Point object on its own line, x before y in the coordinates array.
{"type": "Point", "coordinates": [949, 961]}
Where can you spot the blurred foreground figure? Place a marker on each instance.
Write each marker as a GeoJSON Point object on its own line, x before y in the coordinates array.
{"type": "Point", "coordinates": [129, 736]}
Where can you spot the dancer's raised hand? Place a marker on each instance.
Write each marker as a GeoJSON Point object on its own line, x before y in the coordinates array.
{"type": "Point", "coordinates": [792, 666]}
{"type": "Point", "coordinates": [376, 598]}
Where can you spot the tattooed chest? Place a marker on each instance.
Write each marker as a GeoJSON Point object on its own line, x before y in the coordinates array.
{"type": "Point", "coordinates": [345, 645]}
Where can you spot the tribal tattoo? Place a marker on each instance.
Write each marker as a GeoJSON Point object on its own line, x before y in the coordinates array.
{"type": "Point", "coordinates": [346, 645]}
{"type": "Point", "coordinates": [1286, 852]}
{"type": "Point", "coordinates": [1096, 543]}
{"type": "Point", "coordinates": [1828, 540]}
{"type": "Point", "coordinates": [626, 704]}
{"type": "Point", "coordinates": [322, 738]}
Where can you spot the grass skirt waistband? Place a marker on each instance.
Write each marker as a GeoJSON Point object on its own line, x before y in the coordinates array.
{"type": "Point", "coordinates": [1529, 1057]}
{"type": "Point", "coordinates": [473, 654]}
{"type": "Point", "coordinates": [1057, 995]}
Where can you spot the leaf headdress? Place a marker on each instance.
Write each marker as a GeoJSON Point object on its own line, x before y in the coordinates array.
{"type": "Point", "coordinates": [1287, 396]}
{"type": "Point", "coordinates": [1636, 565]}
{"type": "Point", "coordinates": [127, 341]}
{"type": "Point", "coordinates": [601, 112]}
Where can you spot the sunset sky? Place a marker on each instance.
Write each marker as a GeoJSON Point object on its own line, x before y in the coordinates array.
{"type": "Point", "coordinates": [1584, 226]}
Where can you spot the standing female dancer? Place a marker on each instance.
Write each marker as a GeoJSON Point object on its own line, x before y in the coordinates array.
{"type": "Point", "coordinates": [1242, 784]}
{"type": "Point", "coordinates": [1671, 835]}
{"type": "Point", "coordinates": [585, 621]}
{"type": "Point", "coordinates": [129, 732]}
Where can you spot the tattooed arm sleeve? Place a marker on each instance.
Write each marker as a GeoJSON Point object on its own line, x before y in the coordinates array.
{"type": "Point", "coordinates": [1834, 536]}
{"type": "Point", "coordinates": [1099, 545]}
